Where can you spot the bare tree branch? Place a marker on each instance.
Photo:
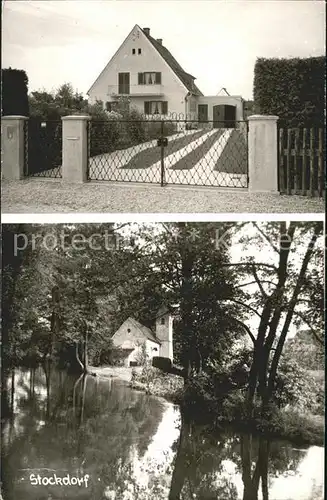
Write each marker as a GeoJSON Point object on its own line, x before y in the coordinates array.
{"type": "Point", "coordinates": [256, 277]}
{"type": "Point", "coordinates": [253, 282]}
{"type": "Point", "coordinates": [246, 306]}
{"type": "Point", "coordinates": [265, 237]}
{"type": "Point", "coordinates": [249, 264]}
{"type": "Point", "coordinates": [246, 328]}
{"type": "Point", "coordinates": [314, 333]}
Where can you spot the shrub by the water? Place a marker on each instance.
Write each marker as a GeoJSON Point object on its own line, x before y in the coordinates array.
{"type": "Point", "coordinates": [155, 382]}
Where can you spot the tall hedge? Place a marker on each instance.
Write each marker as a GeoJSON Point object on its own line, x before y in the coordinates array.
{"type": "Point", "coordinates": [14, 92]}
{"type": "Point", "coordinates": [293, 89]}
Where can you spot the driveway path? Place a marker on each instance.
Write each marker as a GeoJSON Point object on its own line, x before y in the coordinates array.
{"type": "Point", "coordinates": [52, 195]}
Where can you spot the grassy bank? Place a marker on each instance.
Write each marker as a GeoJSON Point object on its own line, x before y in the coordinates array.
{"type": "Point", "coordinates": [154, 382]}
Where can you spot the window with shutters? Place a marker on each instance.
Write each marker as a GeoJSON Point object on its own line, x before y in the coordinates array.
{"type": "Point", "coordinates": [155, 107]}
{"type": "Point", "coordinates": [149, 78]}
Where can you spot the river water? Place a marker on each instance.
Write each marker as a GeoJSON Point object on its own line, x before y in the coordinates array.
{"type": "Point", "coordinates": [95, 439]}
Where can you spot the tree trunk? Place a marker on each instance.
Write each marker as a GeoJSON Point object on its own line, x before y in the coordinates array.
{"type": "Point", "coordinates": [251, 484]}
{"type": "Point", "coordinates": [85, 354]}
{"type": "Point", "coordinates": [12, 392]}
{"type": "Point", "coordinates": [260, 366]}
{"type": "Point", "coordinates": [83, 399]}
{"type": "Point", "coordinates": [290, 312]}
{"type": "Point", "coordinates": [180, 465]}
{"type": "Point", "coordinates": [47, 371]}
{"type": "Point", "coordinates": [263, 461]}
{"type": "Point", "coordinates": [55, 318]}
{"type": "Point", "coordinates": [79, 362]}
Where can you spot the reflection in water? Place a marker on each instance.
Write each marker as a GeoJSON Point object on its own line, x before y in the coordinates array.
{"type": "Point", "coordinates": [133, 446]}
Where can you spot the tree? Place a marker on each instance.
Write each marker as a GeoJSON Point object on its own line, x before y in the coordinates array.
{"type": "Point", "coordinates": [53, 105]}
{"type": "Point", "coordinates": [177, 263]}
{"type": "Point", "coordinates": [283, 288]}
{"type": "Point", "coordinates": [14, 92]}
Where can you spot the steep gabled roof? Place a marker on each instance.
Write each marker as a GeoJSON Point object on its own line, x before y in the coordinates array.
{"type": "Point", "coordinates": [186, 78]}
{"type": "Point", "coordinates": [144, 330]}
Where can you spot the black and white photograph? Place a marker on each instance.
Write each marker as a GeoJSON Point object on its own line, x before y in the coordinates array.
{"type": "Point", "coordinates": [177, 360]}
{"type": "Point", "coordinates": [163, 106]}
{"type": "Point", "coordinates": [163, 249]}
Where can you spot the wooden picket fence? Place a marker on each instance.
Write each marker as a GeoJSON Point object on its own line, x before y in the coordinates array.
{"type": "Point", "coordinates": [302, 161]}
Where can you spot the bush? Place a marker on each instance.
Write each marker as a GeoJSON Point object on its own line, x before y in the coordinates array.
{"type": "Point", "coordinates": [295, 426]}
{"type": "Point", "coordinates": [155, 382]}
{"type": "Point", "coordinates": [293, 89]}
{"type": "Point", "coordinates": [14, 92]}
{"type": "Point", "coordinates": [123, 128]}
{"type": "Point", "coordinates": [298, 387]}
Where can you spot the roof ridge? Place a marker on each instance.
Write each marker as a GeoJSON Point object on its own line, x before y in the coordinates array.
{"type": "Point", "coordinates": [186, 78]}
{"type": "Point", "coordinates": [143, 327]}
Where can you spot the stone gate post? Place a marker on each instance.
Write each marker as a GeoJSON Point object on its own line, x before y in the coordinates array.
{"type": "Point", "coordinates": [263, 153]}
{"type": "Point", "coordinates": [75, 148]}
{"type": "Point", "coordinates": [13, 147]}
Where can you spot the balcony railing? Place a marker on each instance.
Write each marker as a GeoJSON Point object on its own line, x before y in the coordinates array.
{"type": "Point", "coordinates": [138, 90]}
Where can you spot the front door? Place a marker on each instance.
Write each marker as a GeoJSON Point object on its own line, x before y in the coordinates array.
{"type": "Point", "coordinates": [123, 83]}
{"type": "Point", "coordinates": [218, 116]}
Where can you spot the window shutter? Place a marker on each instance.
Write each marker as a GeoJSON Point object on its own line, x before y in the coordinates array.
{"type": "Point", "coordinates": [164, 107]}
{"type": "Point", "coordinates": [141, 79]}
{"type": "Point", "coordinates": [147, 107]}
{"type": "Point", "coordinates": [158, 77]}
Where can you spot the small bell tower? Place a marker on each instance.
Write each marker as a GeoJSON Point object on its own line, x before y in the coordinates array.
{"type": "Point", "coordinates": [164, 332]}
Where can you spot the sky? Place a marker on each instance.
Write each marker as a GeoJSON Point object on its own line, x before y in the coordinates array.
{"type": "Point", "coordinates": [217, 41]}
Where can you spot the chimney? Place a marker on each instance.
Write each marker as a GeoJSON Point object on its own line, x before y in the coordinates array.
{"type": "Point", "coordinates": [159, 40]}
{"type": "Point", "coordinates": [147, 31]}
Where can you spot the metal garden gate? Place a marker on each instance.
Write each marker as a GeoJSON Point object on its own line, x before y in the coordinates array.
{"type": "Point", "coordinates": [169, 152]}
{"type": "Point", "coordinates": [43, 148]}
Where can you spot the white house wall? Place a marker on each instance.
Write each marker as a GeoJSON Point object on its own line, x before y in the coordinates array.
{"type": "Point", "coordinates": [149, 60]}
{"type": "Point", "coordinates": [125, 338]}
{"type": "Point", "coordinates": [134, 339]}
{"type": "Point", "coordinates": [151, 348]}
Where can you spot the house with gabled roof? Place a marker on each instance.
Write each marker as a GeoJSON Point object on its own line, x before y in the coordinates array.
{"type": "Point", "coordinates": [136, 339]}
{"type": "Point", "coordinates": [146, 72]}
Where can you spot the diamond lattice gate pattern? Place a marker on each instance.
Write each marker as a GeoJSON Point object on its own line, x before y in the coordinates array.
{"type": "Point", "coordinates": [43, 148]}
{"type": "Point", "coordinates": [169, 152]}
